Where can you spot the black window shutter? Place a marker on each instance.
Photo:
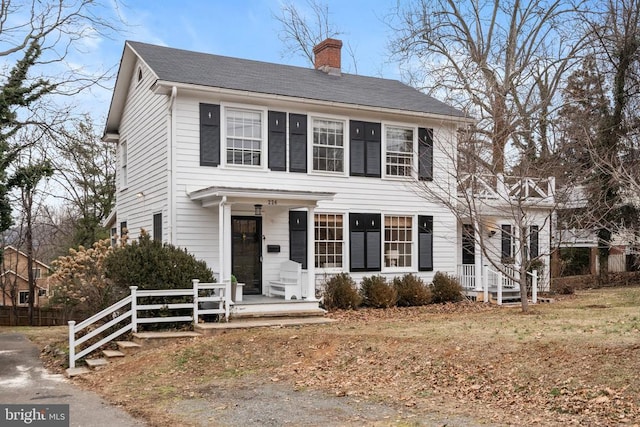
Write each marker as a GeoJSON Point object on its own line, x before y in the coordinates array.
{"type": "Point", "coordinates": [425, 154]}
{"type": "Point", "coordinates": [157, 227]}
{"type": "Point", "coordinates": [425, 243]}
{"type": "Point", "coordinates": [298, 237]}
{"type": "Point", "coordinates": [209, 135]}
{"type": "Point", "coordinates": [298, 143]}
{"type": "Point", "coordinates": [534, 242]}
{"type": "Point", "coordinates": [374, 238]}
{"type": "Point", "coordinates": [373, 149]}
{"type": "Point", "coordinates": [468, 244]}
{"type": "Point", "coordinates": [364, 242]}
{"type": "Point", "coordinates": [365, 149]}
{"type": "Point", "coordinates": [506, 243]}
{"type": "Point", "coordinates": [357, 242]}
{"type": "Point", "coordinates": [357, 150]}
{"type": "Point", "coordinates": [277, 141]}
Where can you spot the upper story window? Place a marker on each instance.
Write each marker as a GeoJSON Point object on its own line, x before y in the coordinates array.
{"type": "Point", "coordinates": [328, 145]}
{"type": "Point", "coordinates": [37, 272]}
{"type": "Point", "coordinates": [124, 179]}
{"type": "Point", "coordinates": [399, 144]}
{"type": "Point", "coordinates": [244, 137]}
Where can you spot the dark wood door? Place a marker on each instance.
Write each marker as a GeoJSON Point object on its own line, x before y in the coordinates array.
{"type": "Point", "coordinates": [246, 257]}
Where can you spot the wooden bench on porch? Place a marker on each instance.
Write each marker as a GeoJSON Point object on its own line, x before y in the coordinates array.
{"type": "Point", "coordinates": [289, 283]}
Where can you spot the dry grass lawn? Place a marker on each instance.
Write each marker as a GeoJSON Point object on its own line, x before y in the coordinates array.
{"type": "Point", "coordinates": [573, 362]}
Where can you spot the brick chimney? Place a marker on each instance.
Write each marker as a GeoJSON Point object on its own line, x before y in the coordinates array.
{"type": "Point", "coordinates": [327, 56]}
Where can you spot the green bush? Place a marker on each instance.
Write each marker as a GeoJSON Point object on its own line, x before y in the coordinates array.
{"type": "Point", "coordinates": [412, 291]}
{"type": "Point", "coordinates": [340, 293]}
{"type": "Point", "coordinates": [377, 293]}
{"type": "Point", "coordinates": [149, 264]}
{"type": "Point", "coordinates": [445, 288]}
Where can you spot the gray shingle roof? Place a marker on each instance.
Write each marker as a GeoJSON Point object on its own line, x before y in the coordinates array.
{"type": "Point", "coordinates": [182, 66]}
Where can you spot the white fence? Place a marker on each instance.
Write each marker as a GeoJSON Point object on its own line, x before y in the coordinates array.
{"type": "Point", "coordinates": [498, 281]}
{"type": "Point", "coordinates": [202, 299]}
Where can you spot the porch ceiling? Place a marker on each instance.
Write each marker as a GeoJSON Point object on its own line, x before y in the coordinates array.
{"type": "Point", "coordinates": [213, 195]}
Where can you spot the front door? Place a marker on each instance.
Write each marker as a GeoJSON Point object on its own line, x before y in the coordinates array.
{"type": "Point", "coordinates": [246, 253]}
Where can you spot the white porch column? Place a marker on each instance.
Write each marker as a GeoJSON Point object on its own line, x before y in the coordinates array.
{"type": "Point", "coordinates": [311, 254]}
{"type": "Point", "coordinates": [221, 228]}
{"type": "Point", "coordinates": [225, 236]}
{"type": "Point", "coordinates": [517, 256]}
{"type": "Point", "coordinates": [477, 253]}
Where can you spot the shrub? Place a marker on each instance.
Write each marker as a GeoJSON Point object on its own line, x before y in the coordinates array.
{"type": "Point", "coordinates": [340, 293]}
{"type": "Point", "coordinates": [377, 293]}
{"type": "Point", "coordinates": [412, 291]}
{"type": "Point", "coordinates": [79, 280]}
{"type": "Point", "coordinates": [445, 288]}
{"type": "Point", "coordinates": [149, 264]}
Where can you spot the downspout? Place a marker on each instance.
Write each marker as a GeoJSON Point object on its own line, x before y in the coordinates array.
{"type": "Point", "coordinates": [170, 166]}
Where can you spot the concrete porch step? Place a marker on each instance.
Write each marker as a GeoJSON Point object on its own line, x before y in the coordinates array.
{"type": "Point", "coordinates": [264, 322]}
{"type": "Point", "coordinates": [96, 363]}
{"type": "Point", "coordinates": [112, 353]}
{"type": "Point", "coordinates": [74, 372]}
{"type": "Point", "coordinates": [128, 347]}
{"type": "Point", "coordinates": [313, 312]}
{"type": "Point", "coordinates": [157, 339]}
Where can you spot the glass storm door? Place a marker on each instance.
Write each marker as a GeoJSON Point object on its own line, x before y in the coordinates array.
{"type": "Point", "coordinates": [246, 257]}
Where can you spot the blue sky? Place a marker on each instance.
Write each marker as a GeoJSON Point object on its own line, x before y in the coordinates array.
{"type": "Point", "coordinates": [241, 28]}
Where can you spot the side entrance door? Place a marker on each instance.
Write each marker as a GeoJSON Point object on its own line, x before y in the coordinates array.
{"type": "Point", "coordinates": [246, 253]}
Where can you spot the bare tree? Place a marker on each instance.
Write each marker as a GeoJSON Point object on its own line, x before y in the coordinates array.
{"type": "Point", "coordinates": [301, 30]}
{"type": "Point", "coordinates": [600, 125]}
{"type": "Point", "coordinates": [85, 168]}
{"type": "Point", "coordinates": [505, 219]}
{"type": "Point", "coordinates": [502, 61]}
{"type": "Point", "coordinates": [37, 40]}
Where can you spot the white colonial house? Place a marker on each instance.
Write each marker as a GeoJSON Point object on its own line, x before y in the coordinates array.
{"type": "Point", "coordinates": [249, 165]}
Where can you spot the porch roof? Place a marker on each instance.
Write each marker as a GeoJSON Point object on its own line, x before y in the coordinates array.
{"type": "Point", "coordinates": [212, 195]}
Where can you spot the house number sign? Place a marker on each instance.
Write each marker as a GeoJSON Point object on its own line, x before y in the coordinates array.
{"type": "Point", "coordinates": [272, 202]}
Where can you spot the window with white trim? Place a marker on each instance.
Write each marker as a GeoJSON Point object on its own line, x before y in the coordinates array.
{"type": "Point", "coordinates": [124, 179]}
{"type": "Point", "coordinates": [399, 145]}
{"type": "Point", "coordinates": [398, 240]}
{"type": "Point", "coordinates": [328, 145]}
{"type": "Point", "coordinates": [329, 240]}
{"type": "Point", "coordinates": [244, 137]}
{"type": "Point", "coordinates": [36, 272]}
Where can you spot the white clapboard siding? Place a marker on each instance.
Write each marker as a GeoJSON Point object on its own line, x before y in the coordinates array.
{"type": "Point", "coordinates": [146, 137]}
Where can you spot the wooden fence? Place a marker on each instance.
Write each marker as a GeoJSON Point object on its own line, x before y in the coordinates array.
{"type": "Point", "coordinates": [41, 316]}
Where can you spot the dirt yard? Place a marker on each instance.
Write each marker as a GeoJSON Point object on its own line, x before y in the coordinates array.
{"type": "Point", "coordinates": [573, 362]}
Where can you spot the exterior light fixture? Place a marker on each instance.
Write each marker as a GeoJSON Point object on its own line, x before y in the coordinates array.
{"type": "Point", "coordinates": [258, 210]}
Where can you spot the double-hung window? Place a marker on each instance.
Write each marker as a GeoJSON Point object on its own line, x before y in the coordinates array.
{"type": "Point", "coordinates": [399, 151]}
{"type": "Point", "coordinates": [244, 137]}
{"type": "Point", "coordinates": [328, 145]}
{"type": "Point", "coordinates": [329, 240]}
{"type": "Point", "coordinates": [397, 241]}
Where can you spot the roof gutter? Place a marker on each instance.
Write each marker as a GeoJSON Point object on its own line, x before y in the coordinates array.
{"type": "Point", "coordinates": [162, 86]}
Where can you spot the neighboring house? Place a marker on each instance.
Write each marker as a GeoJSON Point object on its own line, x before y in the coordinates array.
{"type": "Point", "coordinates": [249, 164]}
{"type": "Point", "coordinates": [14, 279]}
{"type": "Point", "coordinates": [511, 223]}
{"type": "Point", "coordinates": [577, 247]}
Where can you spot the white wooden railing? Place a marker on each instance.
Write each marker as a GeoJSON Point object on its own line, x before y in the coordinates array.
{"type": "Point", "coordinates": [467, 276]}
{"type": "Point", "coordinates": [500, 281]}
{"type": "Point", "coordinates": [502, 187]}
{"type": "Point", "coordinates": [217, 293]}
